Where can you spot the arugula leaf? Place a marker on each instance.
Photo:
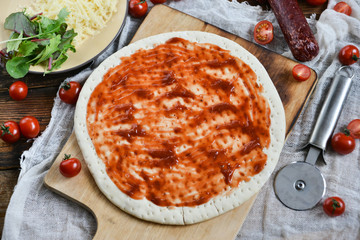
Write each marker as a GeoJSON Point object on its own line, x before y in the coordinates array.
{"type": "Point", "coordinates": [14, 45]}
{"type": "Point", "coordinates": [18, 67]}
{"type": "Point", "coordinates": [59, 25]}
{"type": "Point", "coordinates": [66, 40]}
{"type": "Point", "coordinates": [59, 61]}
{"type": "Point", "coordinates": [46, 22]}
{"type": "Point", "coordinates": [27, 47]}
{"type": "Point", "coordinates": [18, 22]}
{"type": "Point", "coordinates": [62, 15]}
{"type": "Point", "coordinates": [49, 50]}
{"type": "Point", "coordinates": [62, 29]}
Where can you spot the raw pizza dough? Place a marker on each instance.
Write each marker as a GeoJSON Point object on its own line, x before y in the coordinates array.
{"type": "Point", "coordinates": [232, 198]}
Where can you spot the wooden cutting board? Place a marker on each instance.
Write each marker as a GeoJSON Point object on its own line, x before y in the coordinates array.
{"type": "Point", "coordinates": [115, 224]}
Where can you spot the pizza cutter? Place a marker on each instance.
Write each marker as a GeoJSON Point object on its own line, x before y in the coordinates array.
{"type": "Point", "coordinates": [300, 185]}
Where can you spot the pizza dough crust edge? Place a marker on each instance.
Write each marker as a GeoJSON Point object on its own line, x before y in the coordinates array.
{"type": "Point", "coordinates": [145, 209]}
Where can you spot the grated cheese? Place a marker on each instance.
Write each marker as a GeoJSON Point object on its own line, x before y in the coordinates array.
{"type": "Point", "coordinates": [87, 17]}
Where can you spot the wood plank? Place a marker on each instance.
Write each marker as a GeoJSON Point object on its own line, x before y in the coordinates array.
{"type": "Point", "coordinates": [112, 222]}
{"type": "Point", "coordinates": [35, 80]}
{"type": "Point", "coordinates": [8, 180]}
{"type": "Point", "coordinates": [38, 103]}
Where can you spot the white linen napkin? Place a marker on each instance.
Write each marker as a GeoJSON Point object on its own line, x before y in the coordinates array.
{"type": "Point", "coordinates": [35, 212]}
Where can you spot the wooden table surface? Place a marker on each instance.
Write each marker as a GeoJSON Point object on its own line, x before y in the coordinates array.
{"type": "Point", "coordinates": [38, 103]}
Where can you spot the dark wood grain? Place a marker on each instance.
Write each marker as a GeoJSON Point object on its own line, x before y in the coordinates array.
{"type": "Point", "coordinates": [38, 103]}
{"type": "Point", "coordinates": [42, 91]}
{"type": "Point", "coordinates": [8, 180]}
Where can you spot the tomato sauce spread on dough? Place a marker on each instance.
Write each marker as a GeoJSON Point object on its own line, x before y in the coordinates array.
{"type": "Point", "coordinates": [179, 124]}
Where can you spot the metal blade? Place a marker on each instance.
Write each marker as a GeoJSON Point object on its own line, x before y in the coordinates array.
{"type": "Point", "coordinates": [313, 155]}
{"type": "Point", "coordinates": [299, 186]}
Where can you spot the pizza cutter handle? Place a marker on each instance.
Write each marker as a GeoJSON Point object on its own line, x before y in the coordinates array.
{"type": "Point", "coordinates": [332, 107]}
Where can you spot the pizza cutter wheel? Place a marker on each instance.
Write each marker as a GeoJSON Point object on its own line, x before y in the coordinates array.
{"type": "Point", "coordinates": [300, 185]}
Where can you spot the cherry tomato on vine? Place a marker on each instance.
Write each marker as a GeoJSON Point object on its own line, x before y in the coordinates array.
{"type": "Point", "coordinates": [70, 167]}
{"type": "Point", "coordinates": [354, 128]}
{"type": "Point", "coordinates": [349, 55]}
{"type": "Point", "coordinates": [334, 206]}
{"type": "Point", "coordinates": [29, 127]}
{"type": "Point", "coordinates": [18, 90]}
{"type": "Point", "coordinates": [138, 8]}
{"type": "Point", "coordinates": [343, 7]}
{"type": "Point", "coordinates": [301, 72]}
{"type": "Point", "coordinates": [264, 32]}
{"type": "Point", "coordinates": [343, 143]}
{"type": "Point", "coordinates": [10, 132]}
{"type": "Point", "coordinates": [69, 92]}
{"type": "Point", "coordinates": [157, 1]}
{"type": "Point", "coordinates": [316, 2]}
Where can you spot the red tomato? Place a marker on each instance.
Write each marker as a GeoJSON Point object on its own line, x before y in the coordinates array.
{"type": "Point", "coordinates": [343, 7]}
{"type": "Point", "coordinates": [69, 92]}
{"type": "Point", "coordinates": [343, 143]}
{"type": "Point", "coordinates": [349, 55]}
{"type": "Point", "coordinates": [157, 1]}
{"type": "Point", "coordinates": [29, 127]}
{"type": "Point", "coordinates": [354, 128]}
{"type": "Point", "coordinates": [138, 8]}
{"type": "Point", "coordinates": [70, 167]}
{"type": "Point", "coordinates": [263, 32]}
{"type": "Point", "coordinates": [301, 72]}
{"type": "Point", "coordinates": [18, 90]}
{"type": "Point", "coordinates": [316, 2]}
{"type": "Point", "coordinates": [10, 132]}
{"type": "Point", "coordinates": [334, 206]}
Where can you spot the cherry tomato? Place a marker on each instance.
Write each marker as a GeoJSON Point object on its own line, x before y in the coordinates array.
{"type": "Point", "coordinates": [316, 2]}
{"type": "Point", "coordinates": [157, 1]}
{"type": "Point", "coordinates": [10, 132]}
{"type": "Point", "coordinates": [334, 206]}
{"type": "Point", "coordinates": [69, 92]}
{"type": "Point", "coordinates": [29, 127]}
{"type": "Point", "coordinates": [343, 7]}
{"type": "Point", "coordinates": [349, 55]}
{"type": "Point", "coordinates": [343, 143]}
{"type": "Point", "coordinates": [263, 32]}
{"type": "Point", "coordinates": [301, 72]}
{"type": "Point", "coordinates": [18, 90]}
{"type": "Point", "coordinates": [70, 167]}
{"type": "Point", "coordinates": [138, 8]}
{"type": "Point", "coordinates": [354, 128]}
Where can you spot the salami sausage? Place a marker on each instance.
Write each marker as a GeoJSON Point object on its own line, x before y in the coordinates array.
{"type": "Point", "coordinates": [295, 28]}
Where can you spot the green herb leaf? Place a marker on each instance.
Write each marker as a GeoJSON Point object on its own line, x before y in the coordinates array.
{"type": "Point", "coordinates": [43, 42]}
{"type": "Point", "coordinates": [18, 22]}
{"type": "Point", "coordinates": [14, 45]}
{"type": "Point", "coordinates": [62, 15]}
{"type": "Point", "coordinates": [59, 61]}
{"type": "Point", "coordinates": [45, 23]}
{"type": "Point", "coordinates": [27, 47]}
{"type": "Point", "coordinates": [67, 39]}
{"type": "Point", "coordinates": [49, 50]}
{"type": "Point", "coordinates": [18, 67]}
